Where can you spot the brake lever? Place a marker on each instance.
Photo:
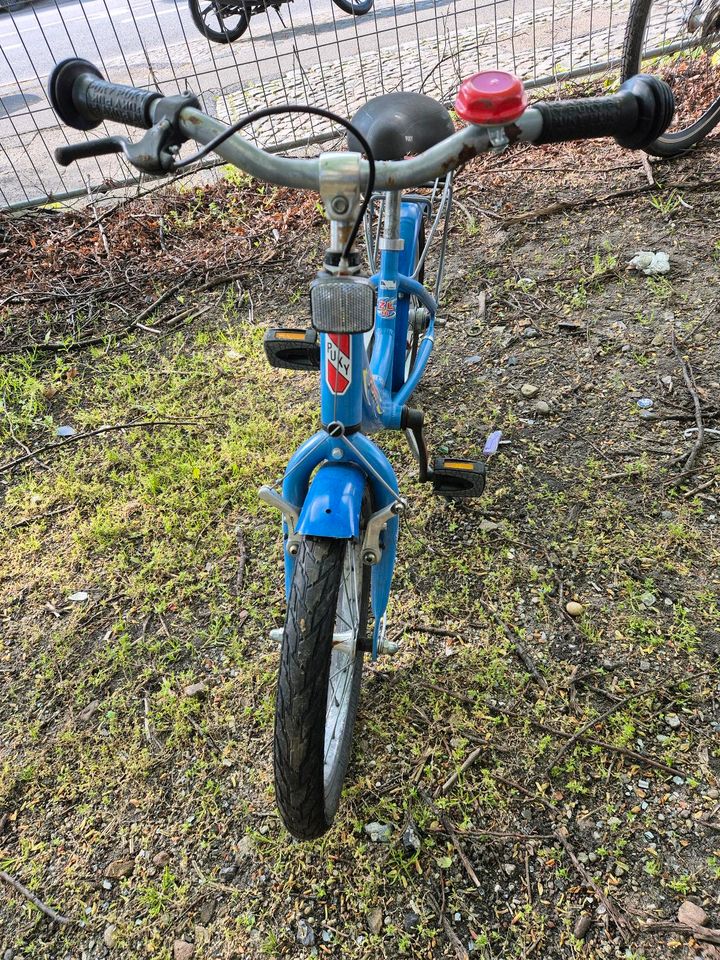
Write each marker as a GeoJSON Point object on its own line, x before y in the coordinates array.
{"type": "Point", "coordinates": [155, 153]}
{"type": "Point", "coordinates": [91, 148]}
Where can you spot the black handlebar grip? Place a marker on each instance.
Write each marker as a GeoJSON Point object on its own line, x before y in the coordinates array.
{"type": "Point", "coordinates": [91, 148]}
{"type": "Point", "coordinates": [635, 116]}
{"type": "Point", "coordinates": [83, 99]}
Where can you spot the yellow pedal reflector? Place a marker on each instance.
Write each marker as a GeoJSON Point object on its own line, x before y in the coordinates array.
{"type": "Point", "coordinates": [457, 465]}
{"type": "Point", "coordinates": [289, 334]}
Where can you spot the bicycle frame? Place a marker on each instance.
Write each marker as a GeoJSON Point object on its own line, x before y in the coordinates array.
{"type": "Point", "coordinates": [361, 395]}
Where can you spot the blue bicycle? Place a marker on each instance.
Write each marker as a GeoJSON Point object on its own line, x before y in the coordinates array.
{"type": "Point", "coordinates": [370, 339]}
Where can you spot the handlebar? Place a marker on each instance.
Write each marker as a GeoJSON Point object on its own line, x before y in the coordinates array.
{"type": "Point", "coordinates": [635, 116]}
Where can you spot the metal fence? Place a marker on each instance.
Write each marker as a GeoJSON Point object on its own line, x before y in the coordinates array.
{"type": "Point", "coordinates": [310, 52]}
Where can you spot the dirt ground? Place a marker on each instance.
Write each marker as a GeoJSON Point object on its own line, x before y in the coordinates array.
{"type": "Point", "coordinates": [559, 773]}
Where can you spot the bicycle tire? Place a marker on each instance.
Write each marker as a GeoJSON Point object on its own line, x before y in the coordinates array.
{"type": "Point", "coordinates": [355, 9]}
{"type": "Point", "coordinates": [690, 129]}
{"type": "Point", "coordinates": [223, 34]}
{"type": "Point", "coordinates": [310, 768]}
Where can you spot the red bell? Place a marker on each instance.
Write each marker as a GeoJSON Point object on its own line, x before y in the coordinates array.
{"type": "Point", "coordinates": [491, 99]}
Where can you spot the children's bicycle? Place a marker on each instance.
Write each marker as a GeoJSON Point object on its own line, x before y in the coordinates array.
{"type": "Point", "coordinates": [224, 21]}
{"type": "Point", "coordinates": [679, 41]}
{"type": "Point", "coordinates": [370, 339]}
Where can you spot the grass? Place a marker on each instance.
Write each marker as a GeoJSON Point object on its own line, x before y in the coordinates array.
{"type": "Point", "coordinates": [105, 756]}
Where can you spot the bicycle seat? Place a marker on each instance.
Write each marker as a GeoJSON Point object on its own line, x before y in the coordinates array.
{"type": "Point", "coordinates": [397, 125]}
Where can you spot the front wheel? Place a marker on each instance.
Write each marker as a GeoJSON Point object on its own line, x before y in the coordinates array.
{"type": "Point", "coordinates": [679, 41]}
{"type": "Point", "coordinates": [219, 20]}
{"type": "Point", "coordinates": [319, 682]}
{"type": "Point", "coordinates": [357, 8]}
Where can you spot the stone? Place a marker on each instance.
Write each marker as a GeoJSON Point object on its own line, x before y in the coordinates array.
{"type": "Point", "coordinates": [375, 920]}
{"type": "Point", "coordinates": [411, 839]}
{"type": "Point", "coordinates": [244, 848]}
{"type": "Point", "coordinates": [541, 407]}
{"type": "Point", "coordinates": [197, 690]}
{"type": "Point", "coordinates": [379, 832]}
{"type": "Point", "coordinates": [87, 712]}
{"type": "Point", "coordinates": [645, 665]}
{"type": "Point", "coordinates": [118, 869]}
{"type": "Point", "coordinates": [106, 885]}
{"type": "Point", "coordinates": [529, 333]}
{"type": "Point", "coordinates": [691, 913]}
{"type": "Point", "coordinates": [529, 390]}
{"type": "Point", "coordinates": [228, 872]}
{"type": "Point", "coordinates": [487, 526]}
{"type": "Point", "coordinates": [305, 934]}
{"type": "Point", "coordinates": [648, 599]}
{"type": "Point", "coordinates": [510, 869]}
{"type": "Point", "coordinates": [410, 921]}
{"type": "Point", "coordinates": [207, 912]}
{"type": "Point", "coordinates": [161, 859]}
{"type": "Point", "coordinates": [574, 608]}
{"type": "Point", "coordinates": [109, 936]}
{"type": "Point", "coordinates": [672, 720]}
{"type": "Point", "coordinates": [182, 950]}
{"type": "Point", "coordinates": [582, 925]}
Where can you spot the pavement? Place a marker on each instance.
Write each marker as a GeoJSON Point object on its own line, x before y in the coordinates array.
{"type": "Point", "coordinates": [315, 54]}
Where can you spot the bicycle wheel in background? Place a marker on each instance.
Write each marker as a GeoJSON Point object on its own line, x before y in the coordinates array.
{"type": "Point", "coordinates": [319, 682]}
{"type": "Point", "coordinates": [355, 7]}
{"type": "Point", "coordinates": [218, 20]}
{"type": "Point", "coordinates": [679, 41]}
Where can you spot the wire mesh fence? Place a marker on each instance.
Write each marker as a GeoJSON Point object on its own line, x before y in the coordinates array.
{"type": "Point", "coordinates": [304, 51]}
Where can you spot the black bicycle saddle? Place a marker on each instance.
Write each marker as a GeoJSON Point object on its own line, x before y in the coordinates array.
{"type": "Point", "coordinates": [397, 125]}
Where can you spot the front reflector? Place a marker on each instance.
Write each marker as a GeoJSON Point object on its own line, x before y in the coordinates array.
{"type": "Point", "coordinates": [342, 304]}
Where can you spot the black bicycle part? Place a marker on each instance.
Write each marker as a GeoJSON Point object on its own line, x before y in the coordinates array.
{"type": "Point", "coordinates": [307, 793]}
{"type": "Point", "coordinates": [82, 98]}
{"type": "Point", "coordinates": [635, 117]}
{"type": "Point", "coordinates": [681, 66]}
{"type": "Point", "coordinates": [224, 12]}
{"type": "Point", "coordinates": [397, 125]}
{"type": "Point", "coordinates": [355, 8]}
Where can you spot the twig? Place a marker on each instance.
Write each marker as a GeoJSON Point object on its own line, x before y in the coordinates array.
{"type": "Point", "coordinates": [648, 170]}
{"type": "Point", "coordinates": [621, 920]}
{"type": "Point", "coordinates": [603, 716]}
{"type": "Point", "coordinates": [453, 777]}
{"type": "Point", "coordinates": [204, 733]}
{"type": "Point", "coordinates": [36, 901]}
{"type": "Point", "coordinates": [689, 379]}
{"type": "Point", "coordinates": [40, 516]}
{"type": "Point", "coordinates": [242, 556]}
{"type": "Point", "coordinates": [434, 631]}
{"type": "Point", "coordinates": [603, 198]}
{"type": "Point", "coordinates": [460, 951]}
{"type": "Point", "coordinates": [689, 494]}
{"type": "Point", "coordinates": [516, 645]}
{"type": "Point", "coordinates": [705, 934]}
{"type": "Point", "coordinates": [451, 832]}
{"type": "Point", "coordinates": [10, 464]}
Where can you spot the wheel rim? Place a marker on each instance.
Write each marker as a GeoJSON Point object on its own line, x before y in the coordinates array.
{"type": "Point", "coordinates": [344, 661]}
{"type": "Point", "coordinates": [681, 45]}
{"type": "Point", "coordinates": [222, 20]}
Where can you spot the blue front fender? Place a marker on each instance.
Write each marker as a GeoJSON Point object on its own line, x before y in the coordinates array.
{"type": "Point", "coordinates": [333, 503]}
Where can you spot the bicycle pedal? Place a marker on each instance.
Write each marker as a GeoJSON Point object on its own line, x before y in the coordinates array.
{"type": "Point", "coordinates": [458, 479]}
{"type": "Point", "coordinates": [292, 349]}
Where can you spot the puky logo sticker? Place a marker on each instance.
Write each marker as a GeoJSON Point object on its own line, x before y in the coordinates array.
{"type": "Point", "coordinates": [338, 366]}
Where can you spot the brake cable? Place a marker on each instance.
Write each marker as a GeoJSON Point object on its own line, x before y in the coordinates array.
{"type": "Point", "coordinates": [297, 108]}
